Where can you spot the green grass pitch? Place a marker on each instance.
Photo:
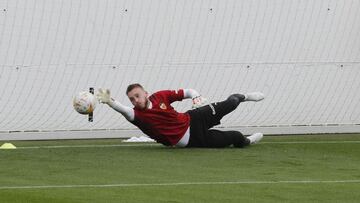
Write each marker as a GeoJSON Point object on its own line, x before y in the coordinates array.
{"type": "Point", "coordinates": [311, 168]}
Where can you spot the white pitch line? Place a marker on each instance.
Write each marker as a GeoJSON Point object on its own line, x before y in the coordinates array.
{"type": "Point", "coordinates": [179, 184]}
{"type": "Point", "coordinates": [154, 144]}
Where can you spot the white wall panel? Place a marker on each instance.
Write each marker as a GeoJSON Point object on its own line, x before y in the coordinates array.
{"type": "Point", "coordinates": [303, 54]}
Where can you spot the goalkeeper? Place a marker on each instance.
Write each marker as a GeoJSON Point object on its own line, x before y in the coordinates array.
{"type": "Point", "coordinates": [154, 116]}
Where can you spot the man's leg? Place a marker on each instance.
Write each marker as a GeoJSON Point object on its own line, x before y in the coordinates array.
{"type": "Point", "coordinates": [228, 105]}
{"type": "Point", "coordinates": [214, 112]}
{"type": "Point", "coordinates": [208, 116]}
{"type": "Point", "coordinates": [217, 138]}
{"type": "Point", "coordinates": [233, 101]}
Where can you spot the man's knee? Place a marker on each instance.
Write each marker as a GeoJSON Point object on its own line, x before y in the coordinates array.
{"type": "Point", "coordinates": [235, 99]}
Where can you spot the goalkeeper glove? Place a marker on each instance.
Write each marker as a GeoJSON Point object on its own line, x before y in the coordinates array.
{"type": "Point", "coordinates": [199, 101]}
{"type": "Point", "coordinates": [103, 96]}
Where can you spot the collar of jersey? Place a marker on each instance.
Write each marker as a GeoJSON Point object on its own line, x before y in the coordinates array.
{"type": "Point", "coordinates": [150, 105]}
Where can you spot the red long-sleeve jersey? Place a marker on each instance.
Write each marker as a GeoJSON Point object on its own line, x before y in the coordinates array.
{"type": "Point", "coordinates": [161, 122]}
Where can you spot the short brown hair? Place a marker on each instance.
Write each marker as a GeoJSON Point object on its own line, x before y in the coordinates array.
{"type": "Point", "coordinates": [133, 86]}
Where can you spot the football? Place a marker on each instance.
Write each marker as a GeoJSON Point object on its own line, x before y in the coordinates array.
{"type": "Point", "coordinates": [84, 102]}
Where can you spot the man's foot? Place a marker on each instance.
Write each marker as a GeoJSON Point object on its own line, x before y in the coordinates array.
{"type": "Point", "coordinates": [254, 96]}
{"type": "Point", "coordinates": [255, 138]}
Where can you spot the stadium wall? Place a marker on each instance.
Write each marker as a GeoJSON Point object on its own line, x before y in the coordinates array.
{"type": "Point", "coordinates": [304, 55]}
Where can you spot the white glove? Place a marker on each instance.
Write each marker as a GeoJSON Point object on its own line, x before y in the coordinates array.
{"type": "Point", "coordinates": [103, 96]}
{"type": "Point", "coordinates": [199, 101]}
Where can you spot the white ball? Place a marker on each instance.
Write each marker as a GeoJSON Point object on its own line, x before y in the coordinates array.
{"type": "Point", "coordinates": [84, 102]}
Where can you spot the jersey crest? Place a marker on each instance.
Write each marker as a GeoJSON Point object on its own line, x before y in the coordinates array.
{"type": "Point", "coordinates": [163, 106]}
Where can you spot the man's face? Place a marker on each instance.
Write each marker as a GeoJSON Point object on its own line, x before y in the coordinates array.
{"type": "Point", "coordinates": [138, 97]}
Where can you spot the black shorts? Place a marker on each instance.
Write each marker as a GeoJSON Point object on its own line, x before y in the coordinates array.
{"type": "Point", "coordinates": [204, 118]}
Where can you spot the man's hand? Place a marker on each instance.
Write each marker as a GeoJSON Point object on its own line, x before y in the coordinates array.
{"type": "Point", "coordinates": [199, 101]}
{"type": "Point", "coordinates": [103, 96]}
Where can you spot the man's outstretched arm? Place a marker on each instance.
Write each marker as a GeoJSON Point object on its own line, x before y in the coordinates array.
{"type": "Point", "coordinates": [104, 97]}
{"type": "Point", "coordinates": [190, 93]}
{"type": "Point", "coordinates": [197, 99]}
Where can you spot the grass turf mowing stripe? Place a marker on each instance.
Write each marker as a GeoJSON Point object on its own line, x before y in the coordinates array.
{"type": "Point", "coordinates": [316, 142]}
{"type": "Point", "coordinates": [180, 184]}
{"type": "Point", "coordinates": [85, 146]}
{"type": "Point", "coordinates": [152, 144]}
